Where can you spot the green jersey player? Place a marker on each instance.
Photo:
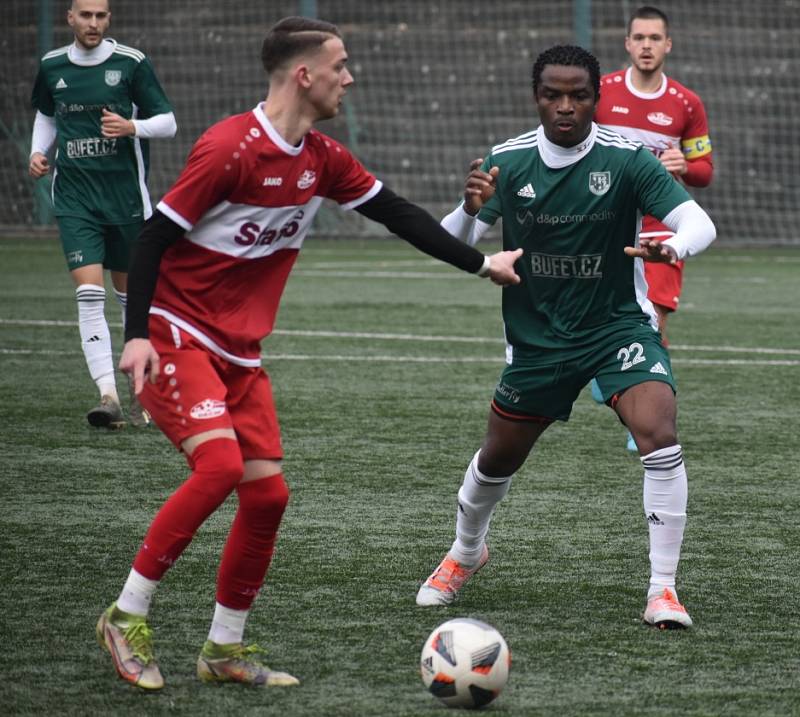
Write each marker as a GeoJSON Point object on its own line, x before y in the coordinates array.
{"type": "Point", "coordinates": [98, 101]}
{"type": "Point", "coordinates": [571, 197]}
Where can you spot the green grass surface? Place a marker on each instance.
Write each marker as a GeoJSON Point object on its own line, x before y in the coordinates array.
{"type": "Point", "coordinates": [378, 427]}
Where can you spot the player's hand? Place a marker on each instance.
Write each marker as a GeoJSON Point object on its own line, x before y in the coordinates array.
{"type": "Point", "coordinates": [479, 187]}
{"type": "Point", "coordinates": [501, 267]}
{"type": "Point", "coordinates": [674, 161]}
{"type": "Point", "coordinates": [115, 126]}
{"type": "Point", "coordinates": [652, 250]}
{"type": "Point", "coordinates": [38, 166]}
{"type": "Point", "coordinates": [139, 359]}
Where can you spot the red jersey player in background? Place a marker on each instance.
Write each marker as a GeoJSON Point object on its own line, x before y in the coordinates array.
{"type": "Point", "coordinates": [643, 104]}
{"type": "Point", "coordinates": [203, 291]}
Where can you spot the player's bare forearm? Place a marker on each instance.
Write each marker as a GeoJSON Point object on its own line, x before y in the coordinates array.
{"type": "Point", "coordinates": [652, 250]}
{"type": "Point", "coordinates": [501, 267]}
{"type": "Point", "coordinates": [140, 360]}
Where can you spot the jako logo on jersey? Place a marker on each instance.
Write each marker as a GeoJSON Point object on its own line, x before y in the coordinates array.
{"type": "Point", "coordinates": [621, 110]}
{"type": "Point", "coordinates": [113, 77]}
{"type": "Point", "coordinates": [660, 119]}
{"type": "Point", "coordinates": [273, 181]}
{"type": "Point", "coordinates": [307, 178]}
{"type": "Point", "coordinates": [599, 182]}
{"type": "Point", "coordinates": [527, 191]}
{"type": "Point", "coordinates": [208, 408]}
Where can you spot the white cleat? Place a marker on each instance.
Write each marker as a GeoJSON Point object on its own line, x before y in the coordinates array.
{"type": "Point", "coordinates": [444, 583]}
{"type": "Point", "coordinates": [665, 612]}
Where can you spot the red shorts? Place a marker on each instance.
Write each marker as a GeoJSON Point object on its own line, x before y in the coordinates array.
{"type": "Point", "coordinates": [664, 282]}
{"type": "Point", "coordinates": [198, 391]}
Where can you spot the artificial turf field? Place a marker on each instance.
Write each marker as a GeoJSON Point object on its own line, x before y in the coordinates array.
{"type": "Point", "coordinates": [384, 363]}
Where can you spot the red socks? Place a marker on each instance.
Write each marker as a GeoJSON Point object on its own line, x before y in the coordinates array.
{"type": "Point", "coordinates": [251, 541]}
{"type": "Point", "coordinates": [217, 469]}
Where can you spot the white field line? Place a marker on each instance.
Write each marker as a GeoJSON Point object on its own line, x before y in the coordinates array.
{"type": "Point", "coordinates": [419, 338]}
{"type": "Point", "coordinates": [345, 358]}
{"type": "Point", "coordinates": [383, 336]}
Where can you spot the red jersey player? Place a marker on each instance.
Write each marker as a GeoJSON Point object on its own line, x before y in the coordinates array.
{"type": "Point", "coordinates": [203, 291]}
{"type": "Point", "coordinates": [643, 104]}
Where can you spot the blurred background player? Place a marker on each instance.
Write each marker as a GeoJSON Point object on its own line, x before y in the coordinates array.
{"type": "Point", "coordinates": [643, 104]}
{"type": "Point", "coordinates": [209, 271]}
{"type": "Point", "coordinates": [571, 186]}
{"type": "Point", "coordinates": [99, 101]}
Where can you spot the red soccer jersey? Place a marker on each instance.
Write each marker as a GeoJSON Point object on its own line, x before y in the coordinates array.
{"type": "Point", "coordinates": [673, 116]}
{"type": "Point", "coordinates": [246, 199]}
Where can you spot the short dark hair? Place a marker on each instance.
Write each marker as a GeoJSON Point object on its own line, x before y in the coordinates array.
{"type": "Point", "coordinates": [648, 12]}
{"type": "Point", "coordinates": [294, 36]}
{"type": "Point", "coordinates": [569, 55]}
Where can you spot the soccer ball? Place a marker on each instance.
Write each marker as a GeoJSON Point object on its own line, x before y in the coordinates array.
{"type": "Point", "coordinates": [465, 663]}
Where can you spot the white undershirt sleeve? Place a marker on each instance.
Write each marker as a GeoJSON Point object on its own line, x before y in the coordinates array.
{"type": "Point", "coordinates": [464, 226]}
{"type": "Point", "coordinates": [44, 133]}
{"type": "Point", "coordinates": [163, 125]}
{"type": "Point", "coordinates": [693, 228]}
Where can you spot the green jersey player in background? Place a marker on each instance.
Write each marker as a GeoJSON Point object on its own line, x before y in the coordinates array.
{"type": "Point", "coordinates": [571, 195]}
{"type": "Point", "coordinates": [98, 102]}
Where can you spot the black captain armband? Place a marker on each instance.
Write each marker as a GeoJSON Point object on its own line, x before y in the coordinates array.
{"type": "Point", "coordinates": [422, 231]}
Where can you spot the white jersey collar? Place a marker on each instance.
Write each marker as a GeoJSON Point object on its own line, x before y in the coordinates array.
{"type": "Point", "coordinates": [645, 95]}
{"type": "Point", "coordinates": [89, 58]}
{"type": "Point", "coordinates": [274, 135]}
{"type": "Point", "coordinates": [556, 157]}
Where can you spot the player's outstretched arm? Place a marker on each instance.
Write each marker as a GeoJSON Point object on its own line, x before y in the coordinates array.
{"type": "Point", "coordinates": [422, 231]}
{"type": "Point", "coordinates": [694, 232]}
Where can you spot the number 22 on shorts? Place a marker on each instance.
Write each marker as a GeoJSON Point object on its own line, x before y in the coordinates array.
{"type": "Point", "coordinates": [631, 355]}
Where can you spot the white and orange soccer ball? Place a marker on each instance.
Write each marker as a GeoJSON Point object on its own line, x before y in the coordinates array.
{"type": "Point", "coordinates": [465, 663]}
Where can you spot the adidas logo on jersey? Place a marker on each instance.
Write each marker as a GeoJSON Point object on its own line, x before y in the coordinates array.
{"type": "Point", "coordinates": [658, 368]}
{"type": "Point", "coordinates": [527, 191]}
{"type": "Point", "coordinates": [60, 85]}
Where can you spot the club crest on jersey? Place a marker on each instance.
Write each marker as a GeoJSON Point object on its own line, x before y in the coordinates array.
{"type": "Point", "coordinates": [307, 178]}
{"type": "Point", "coordinates": [599, 182]}
{"type": "Point", "coordinates": [660, 119]}
{"type": "Point", "coordinates": [113, 77]}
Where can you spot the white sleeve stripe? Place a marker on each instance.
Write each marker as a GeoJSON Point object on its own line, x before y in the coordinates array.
{"type": "Point", "coordinates": [364, 197]}
{"type": "Point", "coordinates": [170, 213]}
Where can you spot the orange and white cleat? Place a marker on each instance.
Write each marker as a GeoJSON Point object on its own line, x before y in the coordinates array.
{"type": "Point", "coordinates": [444, 583]}
{"type": "Point", "coordinates": [665, 612]}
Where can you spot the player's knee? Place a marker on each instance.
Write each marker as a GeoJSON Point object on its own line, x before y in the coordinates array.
{"type": "Point", "coordinates": [656, 438]}
{"type": "Point", "coordinates": [219, 463]}
{"type": "Point", "coordinates": [266, 497]}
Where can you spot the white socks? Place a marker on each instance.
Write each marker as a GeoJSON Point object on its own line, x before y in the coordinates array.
{"type": "Point", "coordinates": [665, 497]}
{"type": "Point", "coordinates": [96, 338]}
{"type": "Point", "coordinates": [477, 497]}
{"type": "Point", "coordinates": [136, 594]}
{"type": "Point", "coordinates": [227, 627]}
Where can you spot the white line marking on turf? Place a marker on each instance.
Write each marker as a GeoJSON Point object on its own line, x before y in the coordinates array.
{"type": "Point", "coordinates": [344, 358]}
{"type": "Point", "coordinates": [426, 337]}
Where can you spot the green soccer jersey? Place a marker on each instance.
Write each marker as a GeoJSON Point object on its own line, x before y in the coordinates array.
{"type": "Point", "coordinates": [98, 177]}
{"type": "Point", "coordinates": [572, 219]}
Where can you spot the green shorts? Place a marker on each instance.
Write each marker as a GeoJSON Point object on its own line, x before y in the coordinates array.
{"type": "Point", "coordinates": [86, 241]}
{"type": "Point", "coordinates": [534, 386]}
